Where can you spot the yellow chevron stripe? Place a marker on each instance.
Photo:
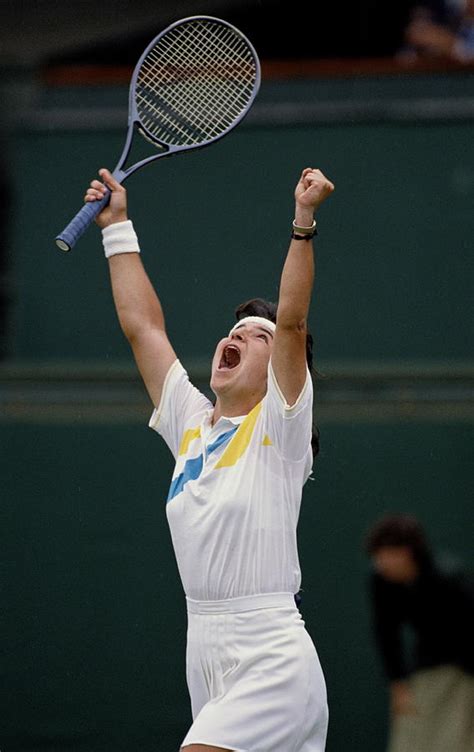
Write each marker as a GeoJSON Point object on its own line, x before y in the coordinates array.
{"type": "Point", "coordinates": [267, 440]}
{"type": "Point", "coordinates": [188, 436]}
{"type": "Point", "coordinates": [240, 440]}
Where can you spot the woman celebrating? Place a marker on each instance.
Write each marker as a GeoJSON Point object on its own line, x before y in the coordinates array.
{"type": "Point", "coordinates": [253, 673]}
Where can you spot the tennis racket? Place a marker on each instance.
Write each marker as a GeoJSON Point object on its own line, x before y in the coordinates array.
{"type": "Point", "coordinates": [192, 85]}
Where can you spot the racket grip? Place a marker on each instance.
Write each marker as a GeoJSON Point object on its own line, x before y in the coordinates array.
{"type": "Point", "coordinates": [68, 238]}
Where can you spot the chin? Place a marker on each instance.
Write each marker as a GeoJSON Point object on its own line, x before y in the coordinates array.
{"type": "Point", "coordinates": [219, 382]}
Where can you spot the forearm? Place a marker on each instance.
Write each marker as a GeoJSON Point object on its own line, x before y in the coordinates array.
{"type": "Point", "coordinates": [298, 271]}
{"type": "Point", "coordinates": [393, 664]}
{"type": "Point", "coordinates": [297, 277]}
{"type": "Point", "coordinates": [388, 638]}
{"type": "Point", "coordinates": [136, 302]}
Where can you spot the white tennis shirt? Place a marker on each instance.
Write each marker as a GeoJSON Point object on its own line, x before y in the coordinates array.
{"type": "Point", "coordinates": [235, 495]}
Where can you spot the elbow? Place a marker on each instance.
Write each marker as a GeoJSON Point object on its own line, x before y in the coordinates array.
{"type": "Point", "coordinates": [291, 323]}
{"type": "Point", "coordinates": [139, 331]}
{"type": "Point", "coordinates": [292, 312]}
{"type": "Point", "coordinates": [129, 324]}
{"type": "Point", "coordinates": [130, 333]}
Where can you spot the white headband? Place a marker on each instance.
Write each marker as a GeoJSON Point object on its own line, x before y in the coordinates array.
{"type": "Point", "coordinates": [266, 323]}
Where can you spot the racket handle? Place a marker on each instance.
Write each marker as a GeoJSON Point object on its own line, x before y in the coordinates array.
{"type": "Point", "coordinates": [68, 238]}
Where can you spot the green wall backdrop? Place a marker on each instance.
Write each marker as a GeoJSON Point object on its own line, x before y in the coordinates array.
{"type": "Point", "coordinates": [94, 624]}
{"type": "Point", "coordinates": [94, 658]}
{"type": "Point", "coordinates": [393, 251]}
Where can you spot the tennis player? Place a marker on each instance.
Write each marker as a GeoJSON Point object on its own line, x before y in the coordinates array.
{"type": "Point", "coordinates": [253, 673]}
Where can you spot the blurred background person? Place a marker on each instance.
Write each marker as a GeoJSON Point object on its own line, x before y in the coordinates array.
{"type": "Point", "coordinates": [423, 619]}
{"type": "Point", "coordinates": [441, 29]}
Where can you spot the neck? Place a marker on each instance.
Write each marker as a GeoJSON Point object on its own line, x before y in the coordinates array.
{"type": "Point", "coordinates": [232, 408]}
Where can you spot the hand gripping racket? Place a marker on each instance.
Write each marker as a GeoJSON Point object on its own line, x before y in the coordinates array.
{"type": "Point", "coordinates": [192, 85]}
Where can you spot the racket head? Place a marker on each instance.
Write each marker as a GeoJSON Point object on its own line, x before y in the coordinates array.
{"type": "Point", "coordinates": [194, 83]}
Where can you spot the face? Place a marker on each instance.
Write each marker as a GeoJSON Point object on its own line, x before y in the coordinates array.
{"type": "Point", "coordinates": [396, 564]}
{"type": "Point", "coordinates": [239, 366]}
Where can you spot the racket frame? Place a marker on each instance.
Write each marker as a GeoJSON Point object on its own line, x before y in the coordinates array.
{"type": "Point", "coordinates": [92, 209]}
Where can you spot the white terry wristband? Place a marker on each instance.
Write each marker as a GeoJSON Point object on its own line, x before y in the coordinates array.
{"type": "Point", "coordinates": [120, 238]}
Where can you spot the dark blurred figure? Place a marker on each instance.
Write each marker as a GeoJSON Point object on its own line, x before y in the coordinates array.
{"type": "Point", "coordinates": [441, 29]}
{"type": "Point", "coordinates": [424, 627]}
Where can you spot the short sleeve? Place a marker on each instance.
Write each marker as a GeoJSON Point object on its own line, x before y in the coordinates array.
{"type": "Point", "coordinates": [180, 404]}
{"type": "Point", "coordinates": [289, 427]}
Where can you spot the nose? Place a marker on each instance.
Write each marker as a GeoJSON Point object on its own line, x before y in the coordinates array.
{"type": "Point", "coordinates": [238, 336]}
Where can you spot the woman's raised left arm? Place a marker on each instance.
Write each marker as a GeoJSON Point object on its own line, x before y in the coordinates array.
{"type": "Point", "coordinates": [289, 348]}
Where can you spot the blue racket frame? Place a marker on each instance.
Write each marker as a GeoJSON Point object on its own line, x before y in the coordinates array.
{"type": "Point", "coordinates": [67, 239]}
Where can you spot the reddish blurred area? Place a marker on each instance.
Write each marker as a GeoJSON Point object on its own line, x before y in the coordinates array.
{"type": "Point", "coordinates": [107, 75]}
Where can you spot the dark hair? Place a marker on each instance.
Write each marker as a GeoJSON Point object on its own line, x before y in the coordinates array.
{"type": "Point", "coordinates": [399, 530]}
{"type": "Point", "coordinates": [268, 310]}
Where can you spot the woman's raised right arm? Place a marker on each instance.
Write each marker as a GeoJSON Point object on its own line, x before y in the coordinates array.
{"type": "Point", "coordinates": [137, 304]}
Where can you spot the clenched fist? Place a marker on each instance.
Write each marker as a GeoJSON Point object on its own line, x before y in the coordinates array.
{"type": "Point", "coordinates": [313, 188]}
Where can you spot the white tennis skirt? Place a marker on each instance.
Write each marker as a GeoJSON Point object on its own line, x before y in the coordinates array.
{"type": "Point", "coordinates": [254, 676]}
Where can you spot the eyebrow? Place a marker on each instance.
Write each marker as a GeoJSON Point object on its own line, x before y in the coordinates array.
{"type": "Point", "coordinates": [266, 331]}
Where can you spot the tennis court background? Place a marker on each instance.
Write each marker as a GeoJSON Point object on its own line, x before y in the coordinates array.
{"type": "Point", "coordinates": [95, 625]}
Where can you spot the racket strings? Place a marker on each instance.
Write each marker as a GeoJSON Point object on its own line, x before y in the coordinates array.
{"type": "Point", "coordinates": [195, 83]}
{"type": "Point", "coordinates": [198, 108]}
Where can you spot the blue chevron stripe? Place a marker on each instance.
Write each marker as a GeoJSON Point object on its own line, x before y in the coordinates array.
{"type": "Point", "coordinates": [221, 439]}
{"type": "Point", "coordinates": [191, 471]}
{"type": "Point", "coordinates": [193, 467]}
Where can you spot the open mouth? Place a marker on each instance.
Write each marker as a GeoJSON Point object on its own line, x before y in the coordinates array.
{"type": "Point", "coordinates": [230, 358]}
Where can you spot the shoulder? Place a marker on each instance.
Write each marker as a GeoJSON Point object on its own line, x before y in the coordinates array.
{"type": "Point", "coordinates": [275, 394]}
{"type": "Point", "coordinates": [181, 405]}
{"type": "Point", "coordinates": [289, 426]}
